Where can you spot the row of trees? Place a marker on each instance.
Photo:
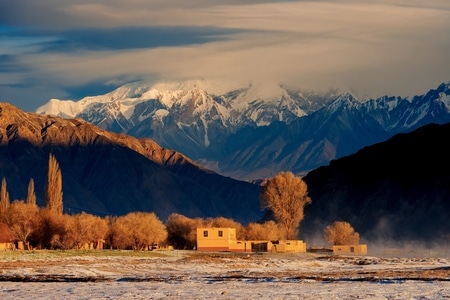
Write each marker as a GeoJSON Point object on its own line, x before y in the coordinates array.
{"type": "Point", "coordinates": [42, 228]}
{"type": "Point", "coordinates": [285, 196]}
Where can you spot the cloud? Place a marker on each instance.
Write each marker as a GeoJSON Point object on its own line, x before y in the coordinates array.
{"type": "Point", "coordinates": [106, 39]}
{"type": "Point", "coordinates": [371, 47]}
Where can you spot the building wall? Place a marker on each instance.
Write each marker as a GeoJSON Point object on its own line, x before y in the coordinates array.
{"type": "Point", "coordinates": [297, 246]}
{"type": "Point", "coordinates": [224, 239]}
{"type": "Point", "coordinates": [216, 239]}
{"type": "Point", "coordinates": [7, 246]}
{"type": "Point", "coordinates": [241, 246]}
{"type": "Point", "coordinates": [360, 249]}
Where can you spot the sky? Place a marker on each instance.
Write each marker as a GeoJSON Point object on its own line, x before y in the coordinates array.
{"type": "Point", "coordinates": [69, 49]}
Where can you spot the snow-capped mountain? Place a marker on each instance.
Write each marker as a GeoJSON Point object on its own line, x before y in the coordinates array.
{"type": "Point", "coordinates": [255, 130]}
{"type": "Point", "coordinates": [189, 116]}
{"type": "Point", "coordinates": [106, 173]}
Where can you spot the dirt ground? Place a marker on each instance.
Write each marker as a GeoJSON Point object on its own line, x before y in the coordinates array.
{"type": "Point", "coordinates": [223, 267]}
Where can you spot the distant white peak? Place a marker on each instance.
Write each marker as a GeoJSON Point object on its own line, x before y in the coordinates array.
{"type": "Point", "coordinates": [267, 92]}
{"type": "Point", "coordinates": [65, 108]}
{"type": "Point", "coordinates": [214, 87]}
{"type": "Point", "coordinates": [127, 91]}
{"type": "Point", "coordinates": [346, 99]}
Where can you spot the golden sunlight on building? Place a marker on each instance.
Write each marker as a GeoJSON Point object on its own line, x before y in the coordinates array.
{"type": "Point", "coordinates": [360, 249]}
{"type": "Point", "coordinates": [224, 239]}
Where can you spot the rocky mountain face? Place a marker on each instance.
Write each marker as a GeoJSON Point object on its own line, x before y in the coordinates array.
{"type": "Point", "coordinates": [396, 190]}
{"type": "Point", "coordinates": [257, 130]}
{"type": "Point", "coordinates": [107, 173]}
{"type": "Point", "coordinates": [188, 117]}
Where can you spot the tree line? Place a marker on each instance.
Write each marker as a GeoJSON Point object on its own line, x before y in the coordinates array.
{"type": "Point", "coordinates": [49, 228]}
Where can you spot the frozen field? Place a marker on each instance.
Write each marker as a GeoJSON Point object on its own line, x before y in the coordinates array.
{"type": "Point", "coordinates": [183, 275]}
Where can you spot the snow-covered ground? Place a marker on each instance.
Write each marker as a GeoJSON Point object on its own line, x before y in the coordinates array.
{"type": "Point", "coordinates": [181, 275]}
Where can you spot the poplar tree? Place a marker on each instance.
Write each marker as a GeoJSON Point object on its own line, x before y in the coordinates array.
{"type": "Point", "coordinates": [53, 189]}
{"type": "Point", "coordinates": [286, 196]}
{"type": "Point", "coordinates": [4, 199]}
{"type": "Point", "coordinates": [31, 197]}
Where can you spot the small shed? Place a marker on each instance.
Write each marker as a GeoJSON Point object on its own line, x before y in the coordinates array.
{"type": "Point", "coordinates": [285, 246]}
{"type": "Point", "coordinates": [360, 249]}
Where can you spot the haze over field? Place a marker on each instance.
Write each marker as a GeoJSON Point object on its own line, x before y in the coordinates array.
{"type": "Point", "coordinates": [71, 49]}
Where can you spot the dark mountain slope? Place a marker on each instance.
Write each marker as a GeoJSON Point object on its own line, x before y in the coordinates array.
{"type": "Point", "coordinates": [258, 131]}
{"type": "Point", "coordinates": [304, 144]}
{"type": "Point", "coordinates": [112, 174]}
{"type": "Point", "coordinates": [398, 189]}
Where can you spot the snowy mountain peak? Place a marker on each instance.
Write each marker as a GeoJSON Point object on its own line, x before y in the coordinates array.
{"type": "Point", "coordinates": [196, 109]}
{"type": "Point", "coordinates": [345, 101]}
{"type": "Point", "coordinates": [233, 128]}
{"type": "Point", "coordinates": [243, 104]}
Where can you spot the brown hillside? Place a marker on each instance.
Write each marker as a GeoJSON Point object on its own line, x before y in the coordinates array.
{"type": "Point", "coordinates": [111, 174]}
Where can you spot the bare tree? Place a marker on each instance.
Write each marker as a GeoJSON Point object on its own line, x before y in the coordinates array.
{"type": "Point", "coordinates": [182, 231]}
{"type": "Point", "coordinates": [51, 229]}
{"type": "Point", "coordinates": [138, 230]}
{"type": "Point", "coordinates": [4, 201]}
{"type": "Point", "coordinates": [84, 229]}
{"type": "Point", "coordinates": [31, 197]}
{"type": "Point", "coordinates": [99, 229]}
{"type": "Point", "coordinates": [341, 233]}
{"type": "Point", "coordinates": [23, 220]}
{"type": "Point", "coordinates": [53, 189]}
{"type": "Point", "coordinates": [286, 196]}
{"type": "Point", "coordinates": [267, 231]}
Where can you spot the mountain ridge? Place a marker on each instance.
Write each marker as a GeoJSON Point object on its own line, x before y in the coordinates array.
{"type": "Point", "coordinates": [395, 190]}
{"type": "Point", "coordinates": [222, 131]}
{"type": "Point", "coordinates": [112, 174]}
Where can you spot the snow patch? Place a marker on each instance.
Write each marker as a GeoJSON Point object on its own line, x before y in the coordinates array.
{"type": "Point", "coordinates": [444, 98]}
{"type": "Point", "coordinates": [160, 114]}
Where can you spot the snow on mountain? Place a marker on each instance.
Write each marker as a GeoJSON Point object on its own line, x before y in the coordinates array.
{"type": "Point", "coordinates": [215, 122]}
{"type": "Point", "coordinates": [201, 94]}
{"type": "Point", "coordinates": [445, 98]}
{"type": "Point", "coordinates": [193, 107]}
{"type": "Point", "coordinates": [345, 101]}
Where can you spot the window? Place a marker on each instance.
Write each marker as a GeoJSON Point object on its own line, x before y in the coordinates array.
{"type": "Point", "coordinates": [205, 233]}
{"type": "Point", "coordinates": [352, 249]}
{"type": "Point", "coordinates": [220, 233]}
